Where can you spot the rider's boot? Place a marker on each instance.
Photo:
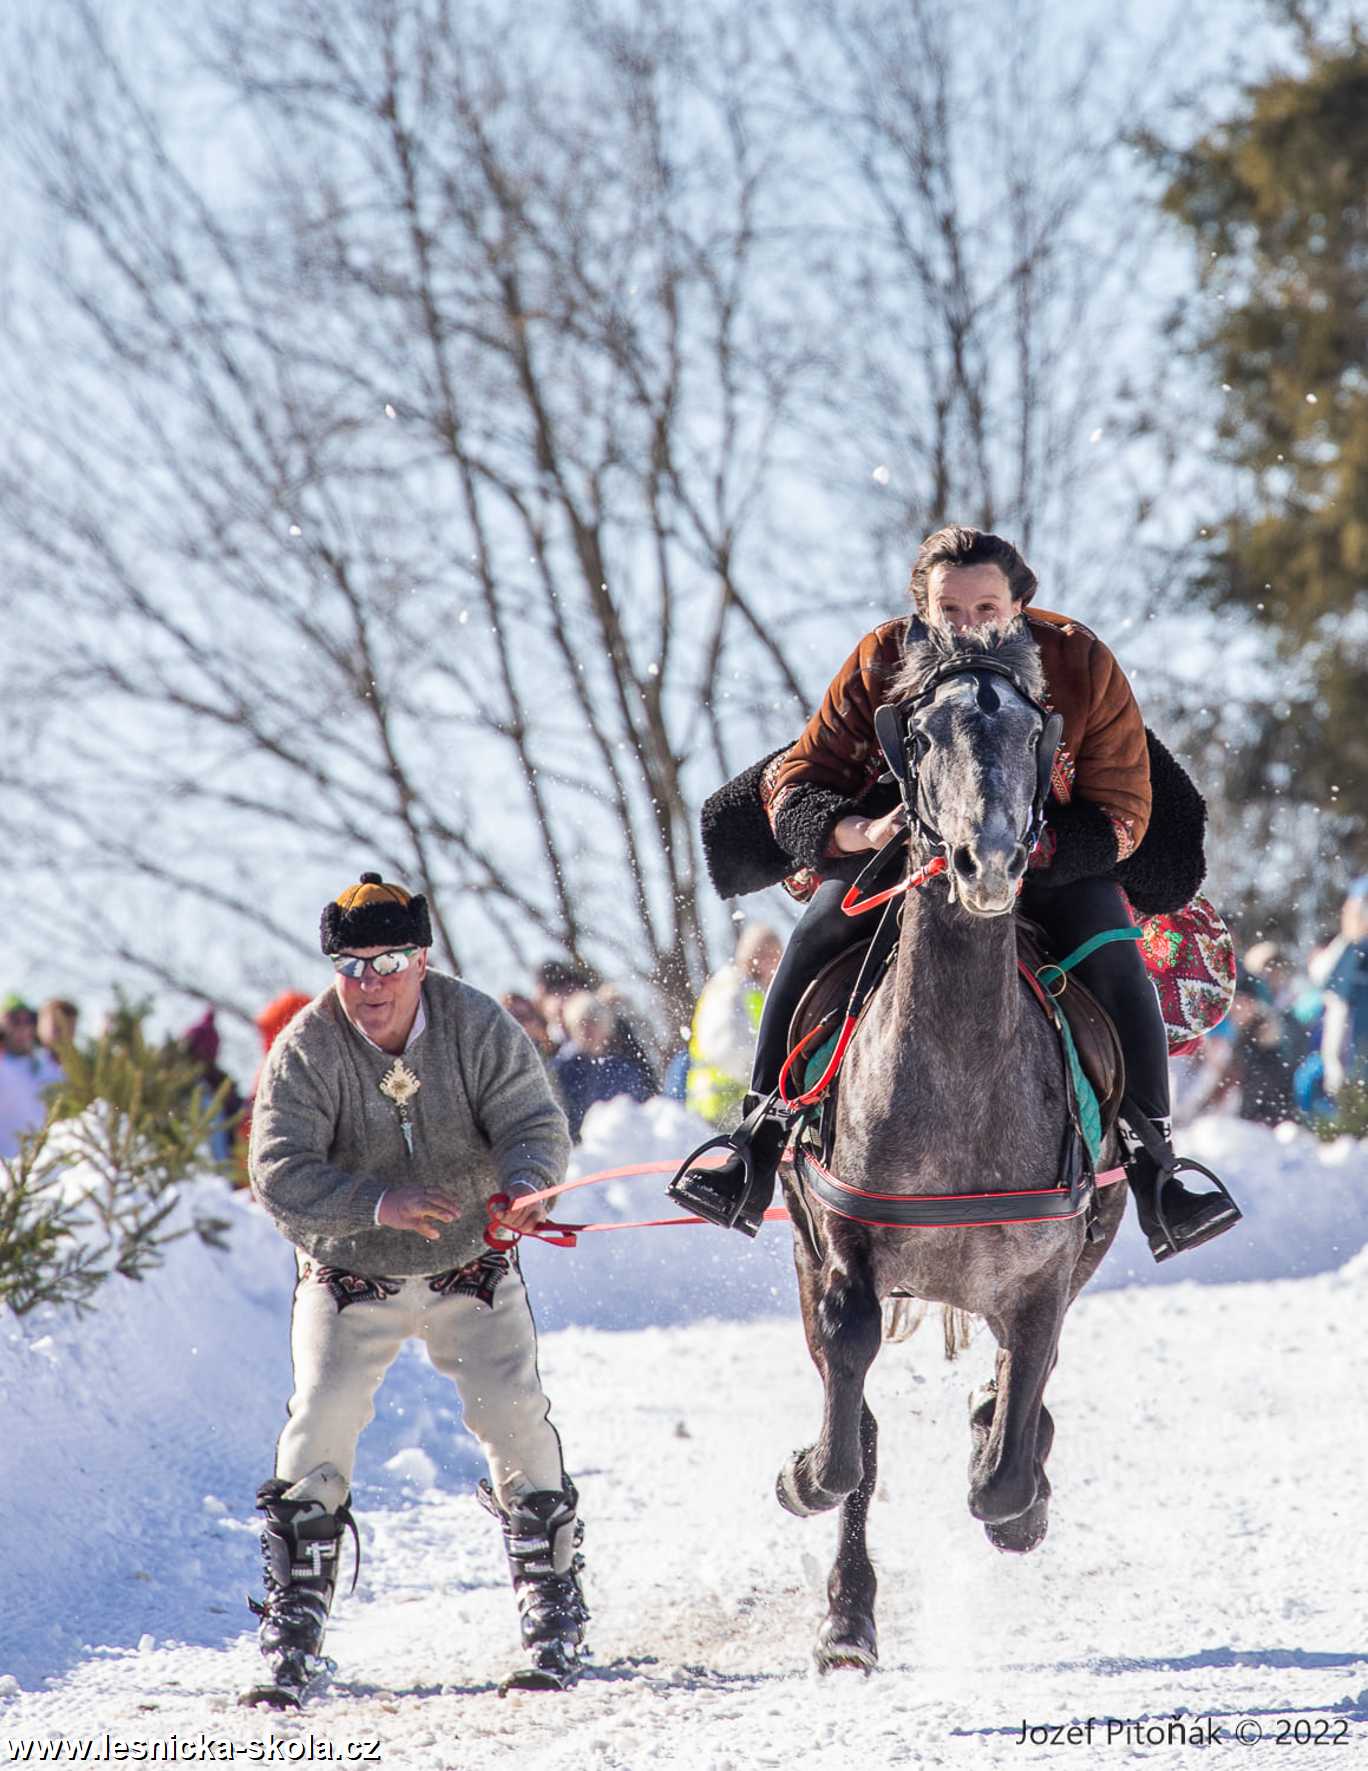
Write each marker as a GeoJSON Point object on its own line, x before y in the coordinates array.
{"type": "Point", "coordinates": [1172, 1217]}
{"type": "Point", "coordinates": [736, 1193]}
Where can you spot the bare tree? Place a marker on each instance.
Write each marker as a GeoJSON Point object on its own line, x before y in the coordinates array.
{"type": "Point", "coordinates": [447, 437]}
{"type": "Point", "coordinates": [413, 523]}
{"type": "Point", "coordinates": [997, 236]}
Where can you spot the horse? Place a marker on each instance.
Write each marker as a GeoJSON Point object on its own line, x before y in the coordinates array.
{"type": "Point", "coordinates": [955, 1084]}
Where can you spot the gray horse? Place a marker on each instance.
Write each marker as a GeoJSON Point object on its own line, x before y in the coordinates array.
{"type": "Point", "coordinates": [955, 1084]}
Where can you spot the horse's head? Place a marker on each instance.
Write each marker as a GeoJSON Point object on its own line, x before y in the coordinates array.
{"type": "Point", "coordinates": [979, 752]}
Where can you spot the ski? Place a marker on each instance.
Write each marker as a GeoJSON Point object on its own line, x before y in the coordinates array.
{"type": "Point", "coordinates": [275, 1697]}
{"type": "Point", "coordinates": [294, 1677]}
{"type": "Point", "coordinates": [556, 1667]}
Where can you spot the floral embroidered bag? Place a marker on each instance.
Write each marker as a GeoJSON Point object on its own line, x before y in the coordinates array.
{"type": "Point", "coordinates": [1191, 957]}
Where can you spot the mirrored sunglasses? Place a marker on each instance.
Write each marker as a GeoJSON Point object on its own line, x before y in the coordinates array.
{"type": "Point", "coordinates": [384, 965]}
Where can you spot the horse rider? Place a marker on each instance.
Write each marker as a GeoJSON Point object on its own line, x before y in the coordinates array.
{"type": "Point", "coordinates": [390, 1109]}
{"type": "Point", "coordinates": [825, 811]}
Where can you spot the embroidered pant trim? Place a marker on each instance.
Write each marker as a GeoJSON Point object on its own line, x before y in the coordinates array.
{"type": "Point", "coordinates": [488, 1350]}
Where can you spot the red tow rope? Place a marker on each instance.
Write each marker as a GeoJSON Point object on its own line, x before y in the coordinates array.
{"type": "Point", "coordinates": [818, 1089]}
{"type": "Point", "coordinates": [499, 1235]}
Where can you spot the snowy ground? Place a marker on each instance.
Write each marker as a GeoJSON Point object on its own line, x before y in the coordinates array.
{"type": "Point", "coordinates": [1204, 1558]}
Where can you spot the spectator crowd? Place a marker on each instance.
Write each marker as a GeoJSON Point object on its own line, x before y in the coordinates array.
{"type": "Point", "coordinates": [1294, 1045]}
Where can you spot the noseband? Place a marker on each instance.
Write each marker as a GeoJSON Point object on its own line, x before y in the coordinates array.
{"type": "Point", "coordinates": [905, 744]}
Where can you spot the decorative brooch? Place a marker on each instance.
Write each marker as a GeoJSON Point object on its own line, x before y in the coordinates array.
{"type": "Point", "coordinates": [400, 1085]}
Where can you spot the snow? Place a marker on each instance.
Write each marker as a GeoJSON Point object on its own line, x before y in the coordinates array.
{"type": "Point", "coordinates": [1203, 1558]}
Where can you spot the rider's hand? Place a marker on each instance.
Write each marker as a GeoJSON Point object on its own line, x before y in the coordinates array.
{"type": "Point", "coordinates": [855, 835]}
{"type": "Point", "coordinates": [415, 1208]}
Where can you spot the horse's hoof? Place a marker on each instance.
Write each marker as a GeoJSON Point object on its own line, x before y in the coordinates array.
{"type": "Point", "coordinates": [998, 1503]}
{"type": "Point", "coordinates": [846, 1644]}
{"type": "Point", "coordinates": [798, 1494]}
{"type": "Point", "coordinates": [1019, 1536]}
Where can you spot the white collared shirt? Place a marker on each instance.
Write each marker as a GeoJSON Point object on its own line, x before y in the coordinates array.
{"type": "Point", "coordinates": [416, 1031]}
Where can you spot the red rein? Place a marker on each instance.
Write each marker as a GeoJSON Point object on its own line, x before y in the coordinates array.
{"type": "Point", "coordinates": [852, 905]}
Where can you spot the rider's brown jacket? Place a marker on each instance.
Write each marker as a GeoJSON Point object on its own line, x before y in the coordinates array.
{"type": "Point", "coordinates": [1102, 758]}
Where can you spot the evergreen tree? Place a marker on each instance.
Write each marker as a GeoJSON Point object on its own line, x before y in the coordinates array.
{"type": "Point", "coordinates": [90, 1194]}
{"type": "Point", "coordinates": [1276, 199]}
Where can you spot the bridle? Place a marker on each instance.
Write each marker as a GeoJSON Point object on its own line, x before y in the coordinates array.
{"type": "Point", "coordinates": [905, 743]}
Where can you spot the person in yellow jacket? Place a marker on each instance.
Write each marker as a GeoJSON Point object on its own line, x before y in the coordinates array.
{"type": "Point", "coordinates": [726, 1021]}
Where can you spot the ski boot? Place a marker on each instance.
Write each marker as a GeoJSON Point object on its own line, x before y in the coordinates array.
{"type": "Point", "coordinates": [1172, 1218]}
{"type": "Point", "coordinates": [542, 1535]}
{"type": "Point", "coordinates": [736, 1193]}
{"type": "Point", "coordinates": [299, 1545]}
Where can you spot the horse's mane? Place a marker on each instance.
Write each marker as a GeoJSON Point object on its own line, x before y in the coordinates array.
{"type": "Point", "coordinates": [928, 648]}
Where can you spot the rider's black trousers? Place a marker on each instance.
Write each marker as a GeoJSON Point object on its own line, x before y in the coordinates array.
{"type": "Point", "coordinates": [1115, 974]}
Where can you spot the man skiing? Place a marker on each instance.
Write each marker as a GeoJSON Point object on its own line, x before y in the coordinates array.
{"type": "Point", "coordinates": [389, 1110]}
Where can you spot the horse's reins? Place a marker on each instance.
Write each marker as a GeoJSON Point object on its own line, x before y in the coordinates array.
{"type": "Point", "coordinates": [900, 739]}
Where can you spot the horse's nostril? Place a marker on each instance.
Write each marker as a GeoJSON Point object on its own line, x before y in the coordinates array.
{"type": "Point", "coordinates": [965, 864]}
{"type": "Point", "coordinates": [1017, 865]}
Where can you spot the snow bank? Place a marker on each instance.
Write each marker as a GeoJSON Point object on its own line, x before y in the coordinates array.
{"type": "Point", "coordinates": [130, 1434]}
{"type": "Point", "coordinates": [136, 1438]}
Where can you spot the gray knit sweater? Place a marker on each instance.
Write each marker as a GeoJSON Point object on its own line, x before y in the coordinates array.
{"type": "Point", "coordinates": [326, 1142]}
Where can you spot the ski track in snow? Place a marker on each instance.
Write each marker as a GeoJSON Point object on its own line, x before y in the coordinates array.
{"type": "Point", "coordinates": [1204, 1556]}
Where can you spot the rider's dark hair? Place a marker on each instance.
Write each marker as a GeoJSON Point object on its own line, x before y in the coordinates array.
{"type": "Point", "coordinates": [961, 546]}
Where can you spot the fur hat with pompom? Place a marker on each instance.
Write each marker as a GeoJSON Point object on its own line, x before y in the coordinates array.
{"type": "Point", "coordinates": [373, 914]}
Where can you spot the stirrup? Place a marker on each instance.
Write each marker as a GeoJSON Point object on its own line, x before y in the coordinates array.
{"type": "Point", "coordinates": [1216, 1213]}
{"type": "Point", "coordinates": [1222, 1214]}
{"type": "Point", "coordinates": [697, 1189]}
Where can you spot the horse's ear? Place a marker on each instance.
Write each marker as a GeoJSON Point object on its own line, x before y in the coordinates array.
{"type": "Point", "coordinates": [892, 736]}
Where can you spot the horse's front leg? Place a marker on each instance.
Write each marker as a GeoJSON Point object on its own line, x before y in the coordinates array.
{"type": "Point", "coordinates": [848, 1637]}
{"type": "Point", "coordinates": [1027, 1530]}
{"type": "Point", "coordinates": [1005, 1472]}
{"type": "Point", "coordinates": [844, 1326]}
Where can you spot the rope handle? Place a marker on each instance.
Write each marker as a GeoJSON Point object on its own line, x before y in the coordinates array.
{"type": "Point", "coordinates": [501, 1236]}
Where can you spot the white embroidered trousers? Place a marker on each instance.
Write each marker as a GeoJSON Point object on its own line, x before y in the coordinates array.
{"type": "Point", "coordinates": [346, 1332]}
